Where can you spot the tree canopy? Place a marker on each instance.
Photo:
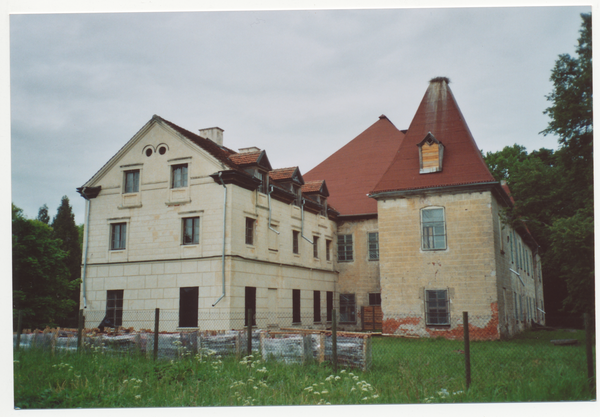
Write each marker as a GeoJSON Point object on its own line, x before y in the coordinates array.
{"type": "Point", "coordinates": [554, 190]}
{"type": "Point", "coordinates": [41, 279]}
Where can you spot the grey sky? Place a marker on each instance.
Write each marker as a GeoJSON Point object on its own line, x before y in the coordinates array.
{"type": "Point", "coordinates": [299, 84]}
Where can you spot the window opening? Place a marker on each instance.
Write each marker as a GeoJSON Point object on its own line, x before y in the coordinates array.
{"type": "Point", "coordinates": [434, 228]}
{"type": "Point", "coordinates": [180, 176]}
{"type": "Point", "coordinates": [345, 248]}
{"type": "Point", "coordinates": [437, 307]}
{"type": "Point", "coordinates": [114, 308]}
{"type": "Point", "coordinates": [347, 308]}
{"type": "Point", "coordinates": [118, 236]}
{"type": "Point", "coordinates": [132, 181]}
{"type": "Point", "coordinates": [296, 306]}
{"type": "Point", "coordinates": [373, 241]}
{"type": "Point", "coordinates": [191, 231]}
{"type": "Point", "coordinates": [188, 307]}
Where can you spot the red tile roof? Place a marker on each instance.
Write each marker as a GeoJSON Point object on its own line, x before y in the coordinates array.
{"type": "Point", "coordinates": [312, 186]}
{"type": "Point", "coordinates": [249, 158]}
{"type": "Point", "coordinates": [282, 174]}
{"type": "Point", "coordinates": [462, 162]}
{"type": "Point", "coordinates": [355, 169]}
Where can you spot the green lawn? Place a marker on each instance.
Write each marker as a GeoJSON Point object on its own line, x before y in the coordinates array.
{"type": "Point", "coordinates": [528, 368]}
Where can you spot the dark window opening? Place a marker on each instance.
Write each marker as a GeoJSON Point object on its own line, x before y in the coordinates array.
{"type": "Point", "coordinates": [328, 250]}
{"type": "Point", "coordinates": [249, 231]}
{"type": "Point", "coordinates": [118, 236]}
{"type": "Point", "coordinates": [373, 246]}
{"type": "Point", "coordinates": [345, 248]}
{"type": "Point", "coordinates": [375, 299]}
{"type": "Point", "coordinates": [437, 307]}
{"type": "Point", "coordinates": [162, 150]}
{"type": "Point", "coordinates": [296, 306]}
{"type": "Point", "coordinates": [295, 241]}
{"type": "Point", "coordinates": [114, 307]}
{"type": "Point", "coordinates": [315, 246]}
{"type": "Point", "coordinates": [188, 307]}
{"type": "Point", "coordinates": [149, 152]}
{"type": "Point", "coordinates": [317, 306]}
{"type": "Point", "coordinates": [180, 176]}
{"type": "Point", "coordinates": [250, 304]}
{"type": "Point", "coordinates": [329, 305]}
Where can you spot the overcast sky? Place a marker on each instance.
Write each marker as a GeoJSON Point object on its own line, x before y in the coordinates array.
{"type": "Point", "coordinates": [299, 84]}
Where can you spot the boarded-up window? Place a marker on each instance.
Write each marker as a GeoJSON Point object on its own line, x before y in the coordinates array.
{"type": "Point", "coordinates": [296, 306]}
{"type": "Point", "coordinates": [329, 305]}
{"type": "Point", "coordinates": [431, 153]}
{"type": "Point", "coordinates": [250, 304]}
{"type": "Point", "coordinates": [317, 306]}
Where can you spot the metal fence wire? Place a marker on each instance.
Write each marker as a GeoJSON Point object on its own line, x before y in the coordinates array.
{"type": "Point", "coordinates": [447, 356]}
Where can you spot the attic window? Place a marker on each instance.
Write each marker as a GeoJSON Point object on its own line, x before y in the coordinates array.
{"type": "Point", "coordinates": [431, 153]}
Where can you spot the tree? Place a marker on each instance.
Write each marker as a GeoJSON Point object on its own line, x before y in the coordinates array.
{"type": "Point", "coordinates": [41, 279]}
{"type": "Point", "coordinates": [43, 214]}
{"type": "Point", "coordinates": [67, 231]}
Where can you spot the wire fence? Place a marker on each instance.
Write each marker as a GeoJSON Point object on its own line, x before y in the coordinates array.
{"type": "Point", "coordinates": [451, 355]}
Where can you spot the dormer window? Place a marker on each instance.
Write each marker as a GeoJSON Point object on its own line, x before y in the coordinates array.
{"type": "Point", "coordinates": [431, 153]}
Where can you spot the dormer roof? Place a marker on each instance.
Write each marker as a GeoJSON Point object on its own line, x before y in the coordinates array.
{"type": "Point", "coordinates": [439, 115]}
{"type": "Point", "coordinates": [257, 158]}
{"type": "Point", "coordinates": [291, 174]}
{"type": "Point", "coordinates": [315, 187]}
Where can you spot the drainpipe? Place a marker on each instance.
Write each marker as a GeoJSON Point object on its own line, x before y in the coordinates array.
{"type": "Point", "coordinates": [269, 195]}
{"type": "Point", "coordinates": [224, 228]}
{"type": "Point", "coordinates": [88, 204]}
{"type": "Point", "coordinates": [302, 225]}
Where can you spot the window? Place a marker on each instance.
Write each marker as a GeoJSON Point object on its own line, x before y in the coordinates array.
{"type": "Point", "coordinates": [373, 241]}
{"type": "Point", "coordinates": [179, 179]}
{"type": "Point", "coordinates": [329, 305]}
{"type": "Point", "coordinates": [295, 240]}
{"type": "Point", "coordinates": [296, 306]}
{"type": "Point", "coordinates": [191, 231]}
{"type": "Point", "coordinates": [347, 308]}
{"type": "Point", "coordinates": [132, 181]}
{"type": "Point", "coordinates": [375, 299]}
{"type": "Point", "coordinates": [434, 228]}
{"type": "Point", "coordinates": [188, 307]}
{"type": "Point", "coordinates": [437, 307]}
{"type": "Point", "coordinates": [118, 236]}
{"type": "Point", "coordinates": [114, 307]}
{"type": "Point", "coordinates": [250, 304]}
{"type": "Point", "coordinates": [431, 153]}
{"type": "Point", "coordinates": [249, 231]}
{"type": "Point", "coordinates": [316, 246]}
{"type": "Point", "coordinates": [345, 248]}
{"type": "Point", "coordinates": [328, 249]}
{"type": "Point", "coordinates": [317, 306]}
{"type": "Point", "coordinates": [512, 254]}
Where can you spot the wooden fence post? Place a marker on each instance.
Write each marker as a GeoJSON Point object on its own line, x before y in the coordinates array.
{"type": "Point", "coordinates": [467, 348]}
{"type": "Point", "coordinates": [19, 328]}
{"type": "Point", "coordinates": [334, 340]}
{"type": "Point", "coordinates": [156, 322]}
{"type": "Point", "coordinates": [589, 328]}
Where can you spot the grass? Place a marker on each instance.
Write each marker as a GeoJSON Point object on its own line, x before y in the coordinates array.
{"type": "Point", "coordinates": [527, 368]}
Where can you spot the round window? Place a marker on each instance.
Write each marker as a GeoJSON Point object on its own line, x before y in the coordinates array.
{"type": "Point", "coordinates": [149, 152]}
{"type": "Point", "coordinates": [162, 150]}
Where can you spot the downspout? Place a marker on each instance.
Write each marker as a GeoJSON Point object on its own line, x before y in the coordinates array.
{"type": "Point", "coordinates": [269, 195]}
{"type": "Point", "coordinates": [302, 225]}
{"type": "Point", "coordinates": [224, 229]}
{"type": "Point", "coordinates": [88, 204]}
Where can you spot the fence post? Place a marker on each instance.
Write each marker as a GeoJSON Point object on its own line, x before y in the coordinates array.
{"type": "Point", "coordinates": [587, 319]}
{"type": "Point", "coordinates": [249, 323]}
{"type": "Point", "coordinates": [19, 328]}
{"type": "Point", "coordinates": [467, 348]}
{"type": "Point", "coordinates": [156, 321]}
{"type": "Point", "coordinates": [80, 331]}
{"type": "Point", "coordinates": [334, 340]}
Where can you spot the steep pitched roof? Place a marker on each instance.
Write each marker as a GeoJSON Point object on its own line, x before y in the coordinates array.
{"type": "Point", "coordinates": [286, 174]}
{"type": "Point", "coordinates": [462, 163]}
{"type": "Point", "coordinates": [315, 187]}
{"type": "Point", "coordinates": [353, 171]}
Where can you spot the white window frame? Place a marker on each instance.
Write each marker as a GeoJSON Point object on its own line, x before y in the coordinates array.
{"type": "Point", "coordinates": [433, 236]}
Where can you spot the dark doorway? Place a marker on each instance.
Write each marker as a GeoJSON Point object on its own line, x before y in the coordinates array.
{"type": "Point", "coordinates": [188, 307]}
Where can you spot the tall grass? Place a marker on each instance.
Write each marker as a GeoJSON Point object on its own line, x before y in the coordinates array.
{"type": "Point", "coordinates": [528, 368]}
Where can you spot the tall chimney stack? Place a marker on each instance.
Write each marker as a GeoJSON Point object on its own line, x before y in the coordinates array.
{"type": "Point", "coordinates": [213, 133]}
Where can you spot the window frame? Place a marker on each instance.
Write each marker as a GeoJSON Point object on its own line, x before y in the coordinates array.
{"type": "Point", "coordinates": [195, 239]}
{"type": "Point", "coordinates": [317, 306]}
{"type": "Point", "coordinates": [182, 182]}
{"type": "Point", "coordinates": [436, 310]}
{"type": "Point", "coordinates": [188, 314]}
{"type": "Point", "coordinates": [374, 299]}
{"type": "Point", "coordinates": [249, 231]}
{"type": "Point", "coordinates": [348, 308]}
{"type": "Point", "coordinates": [431, 225]}
{"type": "Point", "coordinates": [329, 306]}
{"type": "Point", "coordinates": [121, 242]}
{"type": "Point", "coordinates": [345, 248]}
{"type": "Point", "coordinates": [131, 186]}
{"type": "Point", "coordinates": [316, 247]}
{"type": "Point", "coordinates": [114, 307]}
{"type": "Point", "coordinates": [373, 246]}
{"type": "Point", "coordinates": [295, 242]}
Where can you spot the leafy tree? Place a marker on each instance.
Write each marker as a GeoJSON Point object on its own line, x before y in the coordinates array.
{"type": "Point", "coordinates": [67, 231]}
{"type": "Point", "coordinates": [41, 279]}
{"type": "Point", "coordinates": [43, 214]}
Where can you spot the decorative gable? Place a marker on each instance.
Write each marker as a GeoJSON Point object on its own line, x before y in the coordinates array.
{"type": "Point", "coordinates": [431, 153]}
